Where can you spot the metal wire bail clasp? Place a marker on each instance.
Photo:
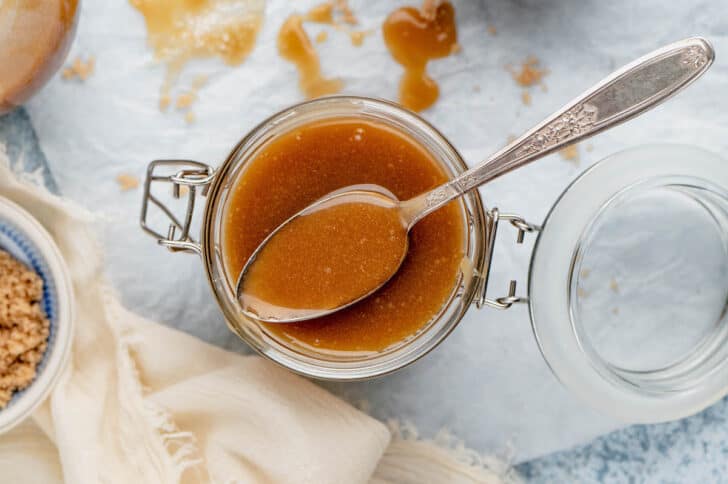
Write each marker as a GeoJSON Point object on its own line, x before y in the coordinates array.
{"type": "Point", "coordinates": [191, 175]}
{"type": "Point", "coordinates": [494, 217]}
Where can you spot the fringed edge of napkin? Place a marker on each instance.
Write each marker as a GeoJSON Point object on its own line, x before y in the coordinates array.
{"type": "Point", "coordinates": [178, 453]}
{"type": "Point", "coordinates": [180, 450]}
{"type": "Point", "coordinates": [410, 459]}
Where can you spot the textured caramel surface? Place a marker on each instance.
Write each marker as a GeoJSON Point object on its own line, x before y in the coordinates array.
{"type": "Point", "coordinates": [24, 327]}
{"type": "Point", "coordinates": [325, 259]}
{"type": "Point", "coordinates": [299, 167]}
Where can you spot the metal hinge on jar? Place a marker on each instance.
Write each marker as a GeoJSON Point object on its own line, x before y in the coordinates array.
{"type": "Point", "coordinates": [519, 223]}
{"type": "Point", "coordinates": [193, 175]}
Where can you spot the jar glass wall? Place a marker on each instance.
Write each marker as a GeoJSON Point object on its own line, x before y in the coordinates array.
{"type": "Point", "coordinates": [343, 365]}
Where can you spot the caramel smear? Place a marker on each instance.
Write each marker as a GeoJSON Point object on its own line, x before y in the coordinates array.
{"type": "Point", "coordinates": [79, 69]}
{"type": "Point", "coordinates": [295, 46]}
{"type": "Point", "coordinates": [414, 37]}
{"type": "Point", "coordinates": [529, 74]}
{"type": "Point", "coordinates": [127, 182]}
{"type": "Point", "coordinates": [182, 30]}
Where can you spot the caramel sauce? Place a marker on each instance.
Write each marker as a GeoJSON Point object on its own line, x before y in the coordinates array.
{"type": "Point", "coordinates": [295, 46]}
{"type": "Point", "coordinates": [322, 14]}
{"type": "Point", "coordinates": [295, 169]}
{"type": "Point", "coordinates": [325, 259]}
{"type": "Point", "coordinates": [181, 30]}
{"type": "Point", "coordinates": [414, 37]}
{"type": "Point", "coordinates": [34, 39]}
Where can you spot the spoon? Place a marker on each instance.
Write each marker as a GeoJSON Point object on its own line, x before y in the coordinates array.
{"type": "Point", "coordinates": [327, 271]}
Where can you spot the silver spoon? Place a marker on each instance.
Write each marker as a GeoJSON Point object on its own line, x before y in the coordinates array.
{"type": "Point", "coordinates": [623, 95]}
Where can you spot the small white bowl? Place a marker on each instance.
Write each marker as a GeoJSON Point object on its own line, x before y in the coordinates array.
{"type": "Point", "coordinates": [25, 239]}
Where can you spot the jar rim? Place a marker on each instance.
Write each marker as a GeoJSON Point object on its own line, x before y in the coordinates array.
{"type": "Point", "coordinates": [410, 350]}
{"type": "Point", "coordinates": [560, 338]}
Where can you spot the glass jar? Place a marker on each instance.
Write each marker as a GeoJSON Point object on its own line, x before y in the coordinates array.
{"type": "Point", "coordinates": [626, 312]}
{"type": "Point", "coordinates": [307, 361]}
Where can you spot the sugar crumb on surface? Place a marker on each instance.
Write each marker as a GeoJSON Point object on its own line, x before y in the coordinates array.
{"type": "Point", "coordinates": [529, 74]}
{"type": "Point", "coordinates": [526, 98]}
{"type": "Point", "coordinates": [164, 101]}
{"type": "Point", "coordinates": [492, 30]}
{"type": "Point", "coordinates": [185, 100]}
{"type": "Point", "coordinates": [199, 81]}
{"type": "Point", "coordinates": [24, 327]}
{"type": "Point", "coordinates": [321, 37]}
{"type": "Point", "coordinates": [127, 182]}
{"type": "Point", "coordinates": [190, 117]}
{"type": "Point", "coordinates": [79, 69]}
{"type": "Point", "coordinates": [322, 13]}
{"type": "Point", "coordinates": [570, 153]}
{"type": "Point", "coordinates": [613, 285]}
{"type": "Point", "coordinates": [357, 37]}
{"type": "Point", "coordinates": [347, 14]}
{"type": "Point", "coordinates": [429, 10]}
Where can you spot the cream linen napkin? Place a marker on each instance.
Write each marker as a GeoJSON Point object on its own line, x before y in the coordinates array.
{"type": "Point", "coordinates": [142, 403]}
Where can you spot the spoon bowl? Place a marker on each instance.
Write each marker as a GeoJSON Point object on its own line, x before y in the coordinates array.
{"type": "Point", "coordinates": [378, 205]}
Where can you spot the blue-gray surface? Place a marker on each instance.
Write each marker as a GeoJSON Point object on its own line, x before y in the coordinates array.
{"type": "Point", "coordinates": [21, 142]}
{"type": "Point", "coordinates": [690, 450]}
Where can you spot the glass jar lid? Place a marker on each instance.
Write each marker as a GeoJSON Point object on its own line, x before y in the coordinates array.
{"type": "Point", "coordinates": [629, 282]}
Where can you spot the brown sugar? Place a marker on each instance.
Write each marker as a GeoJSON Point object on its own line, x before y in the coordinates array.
{"type": "Point", "coordinates": [295, 169]}
{"type": "Point", "coordinates": [295, 46]}
{"type": "Point", "coordinates": [24, 327]}
{"type": "Point", "coordinates": [79, 69]}
{"type": "Point", "coordinates": [529, 74]}
{"type": "Point", "coordinates": [127, 182]}
{"type": "Point", "coordinates": [414, 37]}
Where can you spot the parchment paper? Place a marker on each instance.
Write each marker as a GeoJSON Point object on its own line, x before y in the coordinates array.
{"type": "Point", "coordinates": [487, 382]}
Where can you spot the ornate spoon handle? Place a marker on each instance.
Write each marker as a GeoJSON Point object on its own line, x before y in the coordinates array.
{"type": "Point", "coordinates": [624, 94]}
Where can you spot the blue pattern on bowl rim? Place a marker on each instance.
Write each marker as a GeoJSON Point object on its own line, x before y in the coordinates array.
{"type": "Point", "coordinates": [19, 246]}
